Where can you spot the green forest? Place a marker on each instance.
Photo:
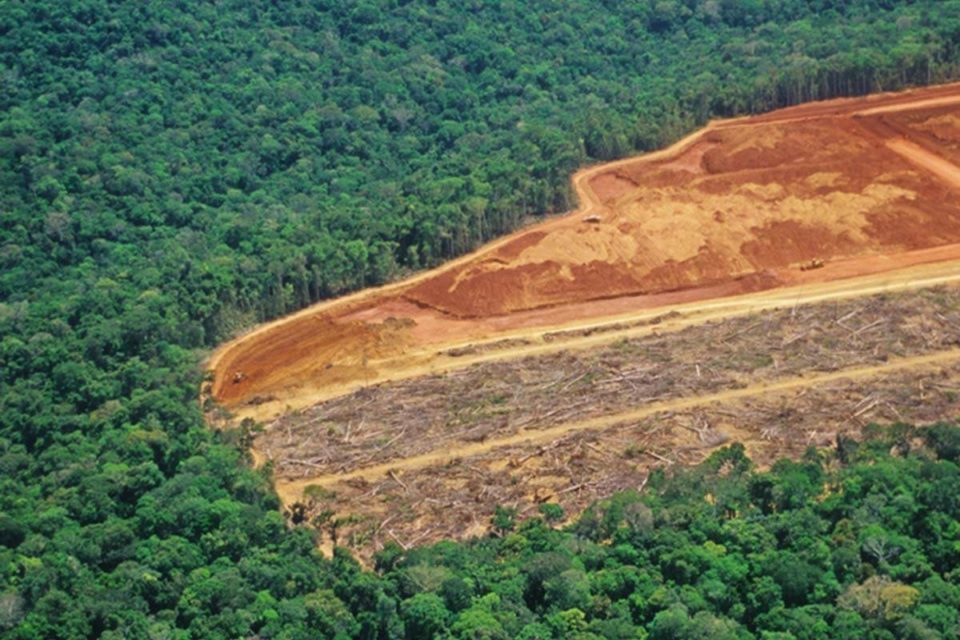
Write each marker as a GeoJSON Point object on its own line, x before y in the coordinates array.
{"type": "Point", "coordinates": [174, 172]}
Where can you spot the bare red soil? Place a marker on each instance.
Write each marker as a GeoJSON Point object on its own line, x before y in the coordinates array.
{"type": "Point", "coordinates": [863, 185]}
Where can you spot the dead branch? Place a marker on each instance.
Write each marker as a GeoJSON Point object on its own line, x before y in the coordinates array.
{"type": "Point", "coordinates": [656, 455]}
{"type": "Point", "coordinates": [400, 482]}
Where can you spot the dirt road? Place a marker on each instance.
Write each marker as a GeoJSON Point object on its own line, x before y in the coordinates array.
{"type": "Point", "coordinates": [924, 159]}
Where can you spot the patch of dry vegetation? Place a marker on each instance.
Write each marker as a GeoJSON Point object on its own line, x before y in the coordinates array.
{"type": "Point", "coordinates": [491, 400]}
{"type": "Point", "coordinates": [685, 370]}
{"type": "Point", "coordinates": [458, 498]}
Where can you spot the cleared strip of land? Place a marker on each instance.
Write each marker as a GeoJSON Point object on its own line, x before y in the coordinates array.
{"type": "Point", "coordinates": [454, 495]}
{"type": "Point", "coordinates": [588, 334]}
{"type": "Point", "coordinates": [513, 398]}
{"type": "Point", "coordinates": [539, 437]}
{"type": "Point", "coordinates": [512, 431]}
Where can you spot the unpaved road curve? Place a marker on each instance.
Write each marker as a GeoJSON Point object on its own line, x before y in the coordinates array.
{"type": "Point", "coordinates": [418, 359]}
{"type": "Point", "coordinates": [291, 491]}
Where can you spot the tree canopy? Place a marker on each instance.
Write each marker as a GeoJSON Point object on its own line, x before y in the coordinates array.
{"type": "Point", "coordinates": [174, 172]}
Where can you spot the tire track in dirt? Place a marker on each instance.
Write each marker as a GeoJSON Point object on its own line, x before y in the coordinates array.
{"type": "Point", "coordinates": [901, 140]}
{"type": "Point", "coordinates": [290, 491]}
{"type": "Point", "coordinates": [935, 164]}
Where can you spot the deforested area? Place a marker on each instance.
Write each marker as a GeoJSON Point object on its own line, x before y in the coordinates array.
{"type": "Point", "coordinates": [460, 497]}
{"type": "Point", "coordinates": [810, 194]}
{"type": "Point", "coordinates": [202, 205]}
{"type": "Point", "coordinates": [493, 400]}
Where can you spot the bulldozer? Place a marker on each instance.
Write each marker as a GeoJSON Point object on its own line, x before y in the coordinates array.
{"type": "Point", "coordinates": [816, 263]}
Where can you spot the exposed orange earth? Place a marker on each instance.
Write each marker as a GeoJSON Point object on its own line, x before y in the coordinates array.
{"type": "Point", "coordinates": [862, 185]}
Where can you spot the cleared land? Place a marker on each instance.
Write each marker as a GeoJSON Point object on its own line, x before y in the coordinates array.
{"type": "Point", "coordinates": [778, 281]}
{"type": "Point", "coordinates": [400, 420]}
{"type": "Point", "coordinates": [431, 458]}
{"type": "Point", "coordinates": [738, 207]}
{"type": "Point", "coordinates": [455, 499]}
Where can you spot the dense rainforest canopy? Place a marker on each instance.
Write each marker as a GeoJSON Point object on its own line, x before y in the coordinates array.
{"type": "Point", "coordinates": [172, 172]}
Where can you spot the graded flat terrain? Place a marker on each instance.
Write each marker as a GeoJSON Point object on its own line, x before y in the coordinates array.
{"type": "Point", "coordinates": [734, 211]}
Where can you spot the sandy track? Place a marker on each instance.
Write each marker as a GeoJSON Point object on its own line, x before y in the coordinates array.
{"type": "Point", "coordinates": [297, 389]}
{"type": "Point", "coordinates": [291, 491]}
{"type": "Point", "coordinates": [932, 162]}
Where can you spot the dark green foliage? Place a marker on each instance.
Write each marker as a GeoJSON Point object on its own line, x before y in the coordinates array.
{"type": "Point", "coordinates": [425, 615]}
{"type": "Point", "coordinates": [504, 519]}
{"type": "Point", "coordinates": [174, 172]}
{"type": "Point", "coordinates": [551, 512]}
{"type": "Point", "coordinates": [945, 440]}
